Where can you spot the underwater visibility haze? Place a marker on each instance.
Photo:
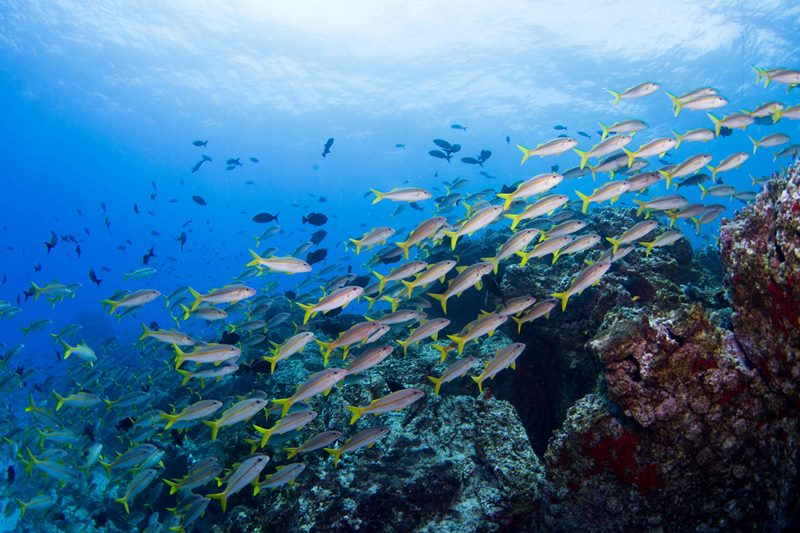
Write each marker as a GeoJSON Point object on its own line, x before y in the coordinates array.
{"type": "Point", "coordinates": [400, 266]}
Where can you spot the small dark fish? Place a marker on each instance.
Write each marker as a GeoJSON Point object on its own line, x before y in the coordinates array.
{"type": "Point", "coordinates": [199, 200]}
{"type": "Point", "coordinates": [5, 278]}
{"type": "Point", "coordinates": [493, 287]}
{"type": "Point", "coordinates": [395, 257]}
{"type": "Point", "coordinates": [37, 267]}
{"type": "Point", "coordinates": [229, 338]}
{"type": "Point", "coordinates": [107, 222]}
{"type": "Point", "coordinates": [291, 295]}
{"type": "Point", "coordinates": [11, 474]}
{"type": "Point", "coordinates": [249, 182]}
{"type": "Point", "coordinates": [28, 294]}
{"type": "Point", "coordinates": [200, 143]}
{"type": "Point", "coordinates": [485, 155]}
{"type": "Point", "coordinates": [327, 148]}
{"type": "Point", "coordinates": [105, 269]}
{"type": "Point", "coordinates": [254, 159]}
{"type": "Point", "coordinates": [323, 199]}
{"type": "Point", "coordinates": [86, 231]}
{"type": "Point", "coordinates": [400, 209]}
{"type": "Point", "coordinates": [441, 143]}
{"type": "Point", "coordinates": [559, 127]}
{"type": "Point", "coordinates": [562, 135]}
{"type": "Point", "coordinates": [80, 213]}
{"type": "Point", "coordinates": [155, 233]}
{"type": "Point", "coordinates": [458, 127]}
{"type": "Point", "coordinates": [455, 148]}
{"type": "Point", "coordinates": [125, 424]}
{"type": "Point", "coordinates": [181, 239]}
{"type": "Point", "coordinates": [52, 242]}
{"type": "Point", "coordinates": [508, 139]}
{"type": "Point", "coordinates": [316, 256]}
{"type": "Point", "coordinates": [725, 132]}
{"type": "Point", "coordinates": [471, 161]}
{"type": "Point", "coordinates": [554, 168]}
{"type": "Point", "coordinates": [399, 145]}
{"type": "Point", "coordinates": [263, 218]}
{"type": "Point", "coordinates": [584, 134]}
{"type": "Point", "coordinates": [415, 206]}
{"type": "Point", "coordinates": [318, 235]}
{"type": "Point", "coordinates": [764, 121]}
{"type": "Point", "coordinates": [78, 250]}
{"type": "Point", "coordinates": [153, 183]}
{"type": "Point", "coordinates": [315, 219]}
{"type": "Point", "coordinates": [148, 256]}
{"type": "Point", "coordinates": [93, 277]}
{"type": "Point", "coordinates": [361, 281]}
{"type": "Point", "coordinates": [440, 155]}
{"type": "Point", "coordinates": [103, 207]}
{"type": "Point", "coordinates": [197, 166]}
{"type": "Point", "coordinates": [136, 209]}
{"type": "Point", "coordinates": [234, 162]}
{"type": "Point", "coordinates": [187, 223]}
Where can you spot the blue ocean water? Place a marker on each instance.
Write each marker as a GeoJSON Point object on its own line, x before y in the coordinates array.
{"type": "Point", "coordinates": [102, 102]}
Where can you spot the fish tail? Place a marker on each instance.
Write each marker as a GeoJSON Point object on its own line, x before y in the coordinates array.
{"type": "Point", "coordinates": [519, 324]}
{"type": "Point", "coordinates": [114, 304]}
{"type": "Point", "coordinates": [292, 452]}
{"type": "Point", "coordinates": [514, 221]}
{"type": "Point", "coordinates": [437, 384]}
{"type": "Point", "coordinates": [705, 191]}
{"type": "Point", "coordinates": [272, 362]}
{"type": "Point", "coordinates": [357, 242]}
{"type": "Point", "coordinates": [309, 311]}
{"type": "Point", "coordinates": [381, 281]}
{"type": "Point", "coordinates": [525, 154]}
{"type": "Point", "coordinates": [173, 486]}
{"type": "Point", "coordinates": [146, 332]}
{"type": "Point", "coordinates": [696, 221]}
{"type": "Point", "coordinates": [180, 356]}
{"type": "Point", "coordinates": [124, 501]}
{"type": "Point", "coordinates": [60, 399]}
{"type": "Point", "coordinates": [198, 298]}
{"type": "Point", "coordinates": [371, 302]}
{"type": "Point", "coordinates": [605, 130]}
{"type": "Point", "coordinates": [584, 156]}
{"type": "Point", "coordinates": [556, 255]}
{"type": "Point", "coordinates": [615, 243]}
{"type": "Point", "coordinates": [378, 196]}
{"type": "Point", "coordinates": [256, 259]}
{"type": "Point", "coordinates": [479, 381]}
{"type": "Point", "coordinates": [717, 123]}
{"type": "Point", "coordinates": [266, 434]}
{"type": "Point", "coordinates": [679, 138]}
{"type": "Point", "coordinates": [442, 350]}
{"type": "Point", "coordinates": [631, 156]}
{"type": "Point", "coordinates": [563, 296]}
{"type": "Point", "coordinates": [171, 419]}
{"type": "Point", "coordinates": [453, 238]}
{"type": "Point", "coordinates": [755, 144]}
{"type": "Point", "coordinates": [214, 425]}
{"type": "Point", "coordinates": [459, 342]}
{"type": "Point", "coordinates": [284, 403]}
{"type": "Point", "coordinates": [394, 302]}
{"type": "Point", "coordinates": [336, 453]}
{"type": "Point", "coordinates": [357, 412]}
{"type": "Point", "coordinates": [325, 348]}
{"type": "Point", "coordinates": [676, 102]}
{"type": "Point", "coordinates": [405, 247]}
{"type": "Point", "coordinates": [524, 257]}
{"type": "Point", "coordinates": [22, 508]}
{"type": "Point", "coordinates": [648, 246]}
{"type": "Point", "coordinates": [673, 216]}
{"type": "Point", "coordinates": [404, 344]}
{"type": "Point", "coordinates": [186, 313]}
{"type": "Point", "coordinates": [31, 405]}
{"type": "Point", "coordinates": [222, 497]}
{"type": "Point", "coordinates": [759, 72]}
{"type": "Point", "coordinates": [585, 198]}
{"type": "Point", "coordinates": [493, 260]}
{"type": "Point", "coordinates": [67, 348]}
{"type": "Point", "coordinates": [593, 170]}
{"type": "Point", "coordinates": [409, 285]}
{"type": "Point", "coordinates": [713, 172]}
{"type": "Point", "coordinates": [641, 208]}
{"type": "Point", "coordinates": [107, 467]}
{"type": "Point", "coordinates": [617, 96]}
{"type": "Point", "coordinates": [441, 299]}
{"type": "Point", "coordinates": [186, 376]}
{"type": "Point", "coordinates": [776, 116]}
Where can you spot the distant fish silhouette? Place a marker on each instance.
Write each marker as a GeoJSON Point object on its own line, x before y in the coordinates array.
{"type": "Point", "coordinates": [199, 200]}
{"type": "Point", "coordinates": [458, 127]}
{"type": "Point", "coordinates": [200, 143]}
{"type": "Point", "coordinates": [327, 148]}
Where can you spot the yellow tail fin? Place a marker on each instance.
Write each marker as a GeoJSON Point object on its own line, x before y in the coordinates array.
{"type": "Point", "coordinates": [308, 309]}
{"type": "Point", "coordinates": [617, 97]}
{"type": "Point", "coordinates": [615, 243]}
{"type": "Point", "coordinates": [378, 196]}
{"type": "Point", "coordinates": [357, 412]}
{"type": "Point", "coordinates": [441, 298]}
{"type": "Point", "coordinates": [717, 123]}
{"type": "Point", "coordinates": [198, 298]}
{"type": "Point", "coordinates": [405, 247]}
{"type": "Point", "coordinates": [437, 384]}
{"type": "Point", "coordinates": [563, 296]}
{"type": "Point", "coordinates": [336, 453]}
{"type": "Point", "coordinates": [586, 199]}
{"type": "Point", "coordinates": [605, 130]}
{"type": "Point", "coordinates": [525, 154]}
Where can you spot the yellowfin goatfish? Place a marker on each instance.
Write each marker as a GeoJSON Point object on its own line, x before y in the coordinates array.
{"type": "Point", "coordinates": [426, 229]}
{"type": "Point", "coordinates": [291, 346]}
{"type": "Point", "coordinates": [436, 271]}
{"type": "Point", "coordinates": [633, 234]}
{"type": "Point", "coordinates": [625, 126]}
{"type": "Point", "coordinates": [542, 206]}
{"type": "Point", "coordinates": [169, 336]}
{"type": "Point", "coordinates": [137, 485]}
{"type": "Point", "coordinates": [362, 439]}
{"type": "Point", "coordinates": [409, 194]}
{"type": "Point", "coordinates": [555, 146]}
{"type": "Point", "coordinates": [729, 163]}
{"type": "Point", "coordinates": [368, 359]}
{"type": "Point", "coordinates": [318, 382]}
{"type": "Point", "coordinates": [210, 353]}
{"type": "Point", "coordinates": [247, 472]}
{"type": "Point", "coordinates": [540, 309]}
{"type": "Point", "coordinates": [402, 272]}
{"type": "Point", "coordinates": [479, 220]}
{"type": "Point", "coordinates": [201, 473]}
{"type": "Point", "coordinates": [288, 423]}
{"type": "Point", "coordinates": [429, 328]}
{"type": "Point", "coordinates": [453, 372]}
{"type": "Point", "coordinates": [609, 191]}
{"type": "Point", "coordinates": [665, 239]}
{"type": "Point", "coordinates": [687, 167]}
{"type": "Point", "coordinates": [373, 237]}
{"type": "Point", "coordinates": [516, 243]}
{"type": "Point", "coordinates": [196, 411]}
{"type": "Point", "coordinates": [588, 276]}
{"type": "Point", "coordinates": [134, 299]}
{"type": "Point", "coordinates": [391, 402]}
{"type": "Point", "coordinates": [466, 278]}
{"type": "Point", "coordinates": [536, 185]}
{"type": "Point", "coordinates": [226, 295]}
{"type": "Point", "coordinates": [287, 265]}
{"type": "Point", "coordinates": [637, 91]}
{"type": "Point", "coordinates": [504, 358]}
{"type": "Point", "coordinates": [316, 442]}
{"type": "Point", "coordinates": [284, 475]}
{"type": "Point", "coordinates": [477, 328]}
{"type": "Point", "coordinates": [357, 333]}
{"type": "Point", "coordinates": [603, 148]}
{"type": "Point", "coordinates": [238, 412]}
{"type": "Point", "coordinates": [335, 300]}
